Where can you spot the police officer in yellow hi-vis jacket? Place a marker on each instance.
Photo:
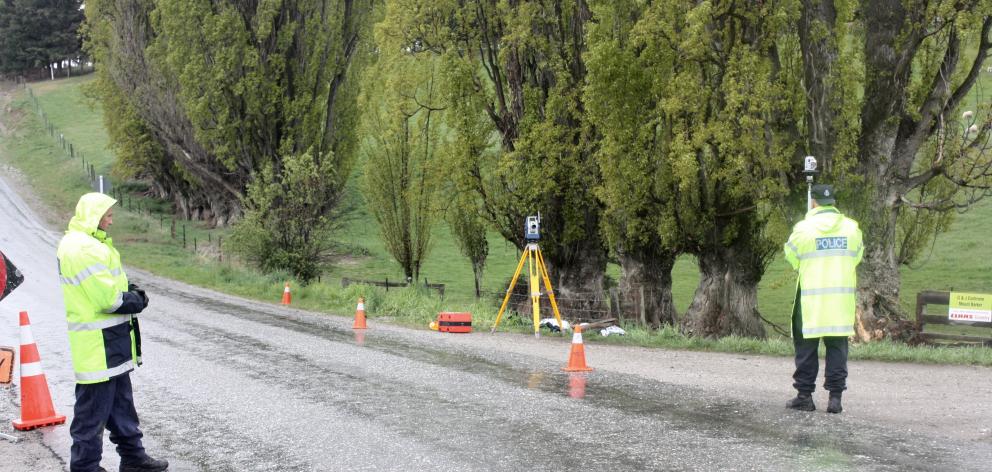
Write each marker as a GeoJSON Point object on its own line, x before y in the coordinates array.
{"type": "Point", "coordinates": [825, 248]}
{"type": "Point", "coordinates": [104, 339]}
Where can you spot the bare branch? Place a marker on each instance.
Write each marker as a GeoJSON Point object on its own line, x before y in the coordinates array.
{"type": "Point", "coordinates": [916, 132]}
{"type": "Point", "coordinates": [738, 211]}
{"type": "Point", "coordinates": [944, 204]}
{"type": "Point", "coordinates": [424, 106]}
{"type": "Point", "coordinates": [923, 177]}
{"type": "Point", "coordinates": [976, 66]}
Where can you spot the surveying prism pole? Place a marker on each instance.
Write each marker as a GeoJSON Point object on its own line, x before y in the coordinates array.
{"type": "Point", "coordinates": [809, 168]}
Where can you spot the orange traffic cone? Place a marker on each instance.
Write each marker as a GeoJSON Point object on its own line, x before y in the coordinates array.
{"type": "Point", "coordinates": [577, 358]}
{"type": "Point", "coordinates": [286, 296]}
{"type": "Point", "coordinates": [36, 402]}
{"type": "Point", "coordinates": [360, 315]}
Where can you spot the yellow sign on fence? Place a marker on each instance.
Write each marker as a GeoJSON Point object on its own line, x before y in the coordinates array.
{"type": "Point", "coordinates": [970, 307]}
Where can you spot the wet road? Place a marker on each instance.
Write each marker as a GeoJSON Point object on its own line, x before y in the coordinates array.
{"type": "Point", "coordinates": [232, 385]}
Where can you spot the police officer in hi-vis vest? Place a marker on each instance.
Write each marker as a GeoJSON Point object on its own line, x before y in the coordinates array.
{"type": "Point", "coordinates": [825, 248]}
{"type": "Point", "coordinates": [104, 339]}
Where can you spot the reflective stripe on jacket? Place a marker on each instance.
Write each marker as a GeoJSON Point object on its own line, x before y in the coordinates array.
{"type": "Point", "coordinates": [93, 285]}
{"type": "Point", "coordinates": [826, 248]}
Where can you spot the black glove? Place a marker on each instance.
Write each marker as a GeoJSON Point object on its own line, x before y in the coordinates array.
{"type": "Point", "coordinates": [131, 303]}
{"type": "Point", "coordinates": [141, 293]}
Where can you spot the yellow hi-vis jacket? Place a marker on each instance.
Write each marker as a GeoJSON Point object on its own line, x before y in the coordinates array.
{"type": "Point", "coordinates": [826, 248]}
{"type": "Point", "coordinates": [94, 287]}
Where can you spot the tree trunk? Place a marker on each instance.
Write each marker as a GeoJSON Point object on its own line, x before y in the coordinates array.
{"type": "Point", "coordinates": [649, 269]}
{"type": "Point", "coordinates": [726, 300]}
{"type": "Point", "coordinates": [879, 314]}
{"type": "Point", "coordinates": [477, 275]}
{"type": "Point", "coordinates": [888, 63]}
{"type": "Point", "coordinates": [819, 51]}
{"type": "Point", "coordinates": [578, 282]}
{"type": "Point", "coordinates": [878, 295]}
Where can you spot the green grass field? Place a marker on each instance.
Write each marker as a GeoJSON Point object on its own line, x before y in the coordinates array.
{"type": "Point", "coordinates": [959, 260]}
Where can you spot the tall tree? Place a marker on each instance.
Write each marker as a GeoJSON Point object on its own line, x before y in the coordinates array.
{"type": "Point", "coordinates": [637, 187]}
{"type": "Point", "coordinates": [520, 64]}
{"type": "Point", "coordinates": [468, 145]}
{"type": "Point", "coordinates": [689, 97]}
{"type": "Point", "coordinates": [226, 86]}
{"type": "Point", "coordinates": [229, 89]}
{"type": "Point", "coordinates": [469, 229]}
{"type": "Point", "coordinates": [403, 116]}
{"type": "Point", "coordinates": [149, 131]}
{"type": "Point", "coordinates": [918, 156]}
{"type": "Point", "coordinates": [38, 33]}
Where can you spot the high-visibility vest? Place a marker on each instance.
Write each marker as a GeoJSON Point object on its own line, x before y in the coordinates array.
{"type": "Point", "coordinates": [93, 285]}
{"type": "Point", "coordinates": [826, 248]}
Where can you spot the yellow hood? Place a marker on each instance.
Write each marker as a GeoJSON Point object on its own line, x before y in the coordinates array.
{"type": "Point", "coordinates": [89, 210]}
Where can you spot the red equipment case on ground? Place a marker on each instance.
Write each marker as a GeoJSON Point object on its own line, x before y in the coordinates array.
{"type": "Point", "coordinates": [449, 322]}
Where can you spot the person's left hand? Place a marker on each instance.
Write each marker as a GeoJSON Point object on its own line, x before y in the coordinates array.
{"type": "Point", "coordinates": [134, 288]}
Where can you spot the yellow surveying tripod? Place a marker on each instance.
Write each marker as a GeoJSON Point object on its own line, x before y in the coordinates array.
{"type": "Point", "coordinates": [538, 271]}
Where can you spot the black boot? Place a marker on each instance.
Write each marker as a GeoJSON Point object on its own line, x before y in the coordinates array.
{"type": "Point", "coordinates": [146, 465]}
{"type": "Point", "coordinates": [802, 402]}
{"type": "Point", "coordinates": [834, 405]}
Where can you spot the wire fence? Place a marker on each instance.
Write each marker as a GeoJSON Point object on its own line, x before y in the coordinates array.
{"type": "Point", "coordinates": [634, 305]}
{"type": "Point", "coordinates": [346, 281]}
{"type": "Point", "coordinates": [70, 68]}
{"type": "Point", "coordinates": [201, 242]}
{"type": "Point", "coordinates": [98, 182]}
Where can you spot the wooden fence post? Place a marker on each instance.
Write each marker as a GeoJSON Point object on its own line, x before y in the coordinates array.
{"type": "Point", "coordinates": [615, 295]}
{"type": "Point", "coordinates": [644, 318]}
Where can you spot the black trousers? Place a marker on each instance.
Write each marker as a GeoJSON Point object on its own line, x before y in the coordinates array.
{"type": "Point", "coordinates": [808, 362]}
{"type": "Point", "coordinates": [102, 405]}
